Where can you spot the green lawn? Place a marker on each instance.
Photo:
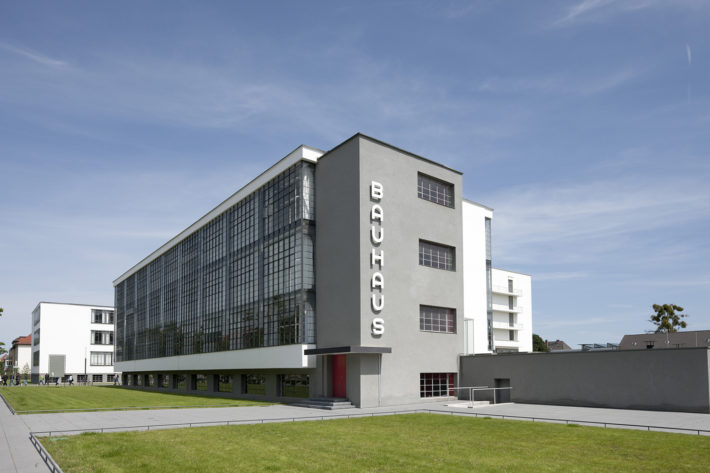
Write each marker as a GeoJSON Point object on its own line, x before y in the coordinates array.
{"type": "Point", "coordinates": [401, 443]}
{"type": "Point", "coordinates": [101, 397]}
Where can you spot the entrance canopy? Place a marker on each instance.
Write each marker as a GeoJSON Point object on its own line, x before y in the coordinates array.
{"type": "Point", "coordinates": [347, 350]}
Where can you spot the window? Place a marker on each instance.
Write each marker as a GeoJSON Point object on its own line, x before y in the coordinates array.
{"type": "Point", "coordinates": [253, 384]}
{"type": "Point", "coordinates": [199, 382]}
{"type": "Point", "coordinates": [437, 319]}
{"type": "Point", "coordinates": [101, 316]}
{"type": "Point", "coordinates": [99, 358]}
{"type": "Point", "coordinates": [81, 378]}
{"type": "Point", "coordinates": [223, 383]}
{"type": "Point", "coordinates": [511, 335]}
{"type": "Point", "coordinates": [435, 190]}
{"type": "Point", "coordinates": [97, 378]}
{"type": "Point", "coordinates": [295, 385]}
{"type": "Point", "coordinates": [436, 384]}
{"type": "Point", "coordinates": [436, 256]}
{"type": "Point", "coordinates": [179, 381]}
{"type": "Point", "coordinates": [101, 338]}
{"type": "Point", "coordinates": [164, 381]}
{"type": "Point", "coordinates": [35, 358]}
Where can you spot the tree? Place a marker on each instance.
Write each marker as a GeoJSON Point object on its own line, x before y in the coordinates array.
{"type": "Point", "coordinates": [667, 318]}
{"type": "Point", "coordinates": [26, 372]}
{"type": "Point", "coordinates": [2, 344]}
{"type": "Point", "coordinates": [538, 343]}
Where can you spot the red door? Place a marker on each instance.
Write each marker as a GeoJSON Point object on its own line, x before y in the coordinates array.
{"type": "Point", "coordinates": [339, 387]}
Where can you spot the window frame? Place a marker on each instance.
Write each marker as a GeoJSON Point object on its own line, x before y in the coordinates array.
{"type": "Point", "coordinates": [449, 323]}
{"type": "Point", "coordinates": [432, 195]}
{"type": "Point", "coordinates": [422, 258]}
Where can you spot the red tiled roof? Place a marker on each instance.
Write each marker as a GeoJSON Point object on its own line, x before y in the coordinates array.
{"type": "Point", "coordinates": [23, 340]}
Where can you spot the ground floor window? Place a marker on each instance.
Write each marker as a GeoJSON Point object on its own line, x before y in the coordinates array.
{"type": "Point", "coordinates": [254, 384]}
{"type": "Point", "coordinates": [294, 385]}
{"type": "Point", "coordinates": [199, 382]}
{"type": "Point", "coordinates": [97, 378]}
{"type": "Point", "coordinates": [224, 383]}
{"type": "Point", "coordinates": [139, 380]}
{"type": "Point", "coordinates": [129, 380]}
{"type": "Point", "coordinates": [151, 380]}
{"type": "Point", "coordinates": [81, 378]}
{"type": "Point", "coordinates": [179, 381]}
{"type": "Point", "coordinates": [164, 381]}
{"type": "Point", "coordinates": [436, 384]}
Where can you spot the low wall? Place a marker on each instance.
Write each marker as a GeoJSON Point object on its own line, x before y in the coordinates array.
{"type": "Point", "coordinates": [668, 380]}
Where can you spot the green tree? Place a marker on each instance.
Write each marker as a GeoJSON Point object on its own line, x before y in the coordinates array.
{"type": "Point", "coordinates": [667, 318]}
{"type": "Point", "coordinates": [538, 343]}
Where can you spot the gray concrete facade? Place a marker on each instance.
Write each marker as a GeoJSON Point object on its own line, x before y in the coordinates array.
{"type": "Point", "coordinates": [669, 380]}
{"type": "Point", "coordinates": [344, 268]}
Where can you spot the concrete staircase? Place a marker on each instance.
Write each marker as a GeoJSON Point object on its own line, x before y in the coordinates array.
{"type": "Point", "coordinates": [329, 403]}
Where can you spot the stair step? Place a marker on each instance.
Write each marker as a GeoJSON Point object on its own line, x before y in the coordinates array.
{"type": "Point", "coordinates": [325, 403]}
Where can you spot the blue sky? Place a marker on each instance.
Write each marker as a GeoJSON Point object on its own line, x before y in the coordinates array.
{"type": "Point", "coordinates": [584, 124]}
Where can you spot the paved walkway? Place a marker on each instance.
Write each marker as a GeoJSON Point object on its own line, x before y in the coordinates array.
{"type": "Point", "coordinates": [18, 455]}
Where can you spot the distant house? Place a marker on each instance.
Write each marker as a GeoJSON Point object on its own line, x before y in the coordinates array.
{"type": "Point", "coordinates": [557, 345]}
{"type": "Point", "coordinates": [20, 354]}
{"type": "Point", "coordinates": [647, 341]}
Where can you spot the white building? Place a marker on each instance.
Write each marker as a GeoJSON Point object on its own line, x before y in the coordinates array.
{"type": "Point", "coordinates": [72, 339]}
{"type": "Point", "coordinates": [19, 356]}
{"type": "Point", "coordinates": [512, 311]}
{"type": "Point", "coordinates": [497, 303]}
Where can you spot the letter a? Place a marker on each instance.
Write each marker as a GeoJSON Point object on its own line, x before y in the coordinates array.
{"type": "Point", "coordinates": [377, 213]}
{"type": "Point", "coordinates": [378, 281]}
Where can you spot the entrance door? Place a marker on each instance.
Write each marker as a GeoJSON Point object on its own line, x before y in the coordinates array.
{"type": "Point", "coordinates": [339, 386]}
{"type": "Point", "coordinates": [502, 395]}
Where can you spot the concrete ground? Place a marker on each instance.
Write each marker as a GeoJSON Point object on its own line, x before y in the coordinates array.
{"type": "Point", "coordinates": [18, 455]}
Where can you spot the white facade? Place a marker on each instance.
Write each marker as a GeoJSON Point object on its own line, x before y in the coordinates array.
{"type": "Point", "coordinates": [512, 311]}
{"type": "Point", "coordinates": [475, 298]}
{"type": "Point", "coordinates": [83, 334]}
{"type": "Point", "coordinates": [511, 322]}
{"type": "Point", "coordinates": [19, 356]}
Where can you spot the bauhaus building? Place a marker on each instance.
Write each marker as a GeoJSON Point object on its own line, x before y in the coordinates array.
{"type": "Point", "coordinates": [356, 273]}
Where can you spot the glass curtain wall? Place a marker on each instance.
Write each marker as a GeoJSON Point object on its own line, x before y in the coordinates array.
{"type": "Point", "coordinates": [243, 280]}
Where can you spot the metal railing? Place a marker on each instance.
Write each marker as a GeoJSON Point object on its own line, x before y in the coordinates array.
{"type": "Point", "coordinates": [472, 390]}
{"type": "Point", "coordinates": [148, 427]}
{"type": "Point", "coordinates": [44, 455]}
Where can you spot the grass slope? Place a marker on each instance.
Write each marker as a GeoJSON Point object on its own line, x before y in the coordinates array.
{"type": "Point", "coordinates": [403, 443]}
{"type": "Point", "coordinates": [97, 397]}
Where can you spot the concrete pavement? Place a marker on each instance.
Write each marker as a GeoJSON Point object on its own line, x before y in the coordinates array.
{"type": "Point", "coordinates": [21, 456]}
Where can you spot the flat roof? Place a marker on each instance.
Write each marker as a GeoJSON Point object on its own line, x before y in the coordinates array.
{"type": "Point", "coordinates": [469, 201]}
{"type": "Point", "coordinates": [387, 145]}
{"type": "Point", "coordinates": [102, 306]}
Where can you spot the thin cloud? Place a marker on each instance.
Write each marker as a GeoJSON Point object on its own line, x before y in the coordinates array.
{"type": "Point", "coordinates": [558, 276]}
{"type": "Point", "coordinates": [34, 56]}
{"type": "Point", "coordinates": [689, 54]}
{"type": "Point", "coordinates": [556, 85]}
{"type": "Point", "coordinates": [590, 10]}
{"type": "Point", "coordinates": [588, 221]}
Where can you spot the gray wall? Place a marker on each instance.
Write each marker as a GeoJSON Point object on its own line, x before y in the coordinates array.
{"type": "Point", "coordinates": [337, 256]}
{"type": "Point", "coordinates": [670, 380]}
{"type": "Point", "coordinates": [344, 271]}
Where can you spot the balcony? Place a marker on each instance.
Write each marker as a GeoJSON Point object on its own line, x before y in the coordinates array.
{"type": "Point", "coordinates": [507, 344]}
{"type": "Point", "coordinates": [504, 290]}
{"type": "Point", "coordinates": [505, 308]}
{"type": "Point", "coordinates": [507, 326]}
